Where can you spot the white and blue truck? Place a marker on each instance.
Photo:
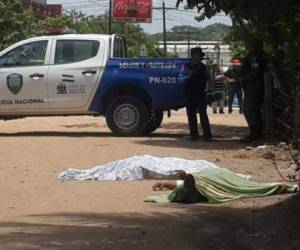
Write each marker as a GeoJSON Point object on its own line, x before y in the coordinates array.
{"type": "Point", "coordinates": [72, 74]}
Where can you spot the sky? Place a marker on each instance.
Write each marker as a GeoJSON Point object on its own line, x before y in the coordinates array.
{"type": "Point", "coordinates": [173, 17]}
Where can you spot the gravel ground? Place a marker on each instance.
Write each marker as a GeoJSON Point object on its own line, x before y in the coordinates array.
{"type": "Point", "coordinates": [37, 211]}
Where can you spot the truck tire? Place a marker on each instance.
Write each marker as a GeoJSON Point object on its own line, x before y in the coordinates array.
{"type": "Point", "coordinates": [127, 116]}
{"type": "Point", "coordinates": [155, 121]}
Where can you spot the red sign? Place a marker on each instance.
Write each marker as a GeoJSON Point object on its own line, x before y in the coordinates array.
{"type": "Point", "coordinates": [137, 11]}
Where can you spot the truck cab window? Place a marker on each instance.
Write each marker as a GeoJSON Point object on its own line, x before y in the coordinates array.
{"type": "Point", "coordinates": [71, 51]}
{"type": "Point", "coordinates": [30, 54]}
{"type": "Point", "coordinates": [119, 47]}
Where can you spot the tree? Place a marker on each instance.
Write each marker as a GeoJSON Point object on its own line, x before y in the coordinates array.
{"type": "Point", "coordinates": [87, 24]}
{"type": "Point", "coordinates": [276, 22]}
{"type": "Point", "coordinates": [16, 23]}
{"type": "Point", "coordinates": [266, 11]}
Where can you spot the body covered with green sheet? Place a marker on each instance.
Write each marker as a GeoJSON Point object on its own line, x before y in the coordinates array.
{"type": "Point", "coordinates": [221, 185]}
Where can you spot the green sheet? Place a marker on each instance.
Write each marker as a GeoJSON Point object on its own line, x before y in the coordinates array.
{"type": "Point", "coordinates": [220, 185]}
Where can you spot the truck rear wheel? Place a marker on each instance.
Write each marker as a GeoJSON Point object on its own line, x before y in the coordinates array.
{"type": "Point", "coordinates": [127, 116]}
{"type": "Point", "coordinates": [155, 121]}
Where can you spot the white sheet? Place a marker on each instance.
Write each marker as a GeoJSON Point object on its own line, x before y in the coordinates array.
{"type": "Point", "coordinates": [138, 167]}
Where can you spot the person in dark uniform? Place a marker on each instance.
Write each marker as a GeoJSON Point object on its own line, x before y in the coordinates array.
{"type": "Point", "coordinates": [195, 94]}
{"type": "Point", "coordinates": [234, 85]}
{"type": "Point", "coordinates": [252, 79]}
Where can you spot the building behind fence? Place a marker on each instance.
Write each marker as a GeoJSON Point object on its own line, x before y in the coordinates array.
{"type": "Point", "coordinates": [216, 52]}
{"type": "Point", "coordinates": [42, 9]}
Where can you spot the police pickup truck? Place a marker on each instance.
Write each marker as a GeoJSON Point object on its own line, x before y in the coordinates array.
{"type": "Point", "coordinates": [75, 74]}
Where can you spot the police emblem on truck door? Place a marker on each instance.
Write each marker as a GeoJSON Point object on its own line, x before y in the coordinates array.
{"type": "Point", "coordinates": [15, 83]}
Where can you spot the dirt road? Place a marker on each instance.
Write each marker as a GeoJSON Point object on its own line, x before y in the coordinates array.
{"type": "Point", "coordinates": [37, 211]}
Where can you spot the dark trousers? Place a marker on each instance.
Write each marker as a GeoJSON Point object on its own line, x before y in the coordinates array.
{"type": "Point", "coordinates": [235, 88]}
{"type": "Point", "coordinates": [195, 105]}
{"type": "Point", "coordinates": [253, 104]}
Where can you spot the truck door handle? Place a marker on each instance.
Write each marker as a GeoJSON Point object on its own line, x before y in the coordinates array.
{"type": "Point", "coordinates": [89, 72]}
{"type": "Point", "coordinates": [36, 76]}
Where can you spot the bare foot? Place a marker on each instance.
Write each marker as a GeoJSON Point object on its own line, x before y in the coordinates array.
{"type": "Point", "coordinates": [181, 174]}
{"type": "Point", "coordinates": [157, 186]}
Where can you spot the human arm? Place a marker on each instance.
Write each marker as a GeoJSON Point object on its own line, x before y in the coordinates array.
{"type": "Point", "coordinates": [251, 69]}
{"type": "Point", "coordinates": [231, 76]}
{"type": "Point", "coordinates": [164, 186]}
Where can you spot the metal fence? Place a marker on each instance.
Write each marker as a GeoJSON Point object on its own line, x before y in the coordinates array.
{"type": "Point", "coordinates": [282, 105]}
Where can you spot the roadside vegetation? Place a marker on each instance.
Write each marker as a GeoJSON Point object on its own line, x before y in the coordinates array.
{"type": "Point", "coordinates": [17, 23]}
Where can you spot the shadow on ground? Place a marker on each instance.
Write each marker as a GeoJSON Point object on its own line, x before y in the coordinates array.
{"type": "Point", "coordinates": [217, 129]}
{"type": "Point", "coordinates": [194, 227]}
{"type": "Point", "coordinates": [56, 134]}
{"type": "Point", "coordinates": [84, 125]}
{"type": "Point", "coordinates": [81, 134]}
{"type": "Point", "coordinates": [224, 137]}
{"type": "Point", "coordinates": [173, 130]}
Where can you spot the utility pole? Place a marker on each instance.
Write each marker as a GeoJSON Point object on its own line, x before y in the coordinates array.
{"type": "Point", "coordinates": [164, 28]}
{"type": "Point", "coordinates": [189, 41]}
{"type": "Point", "coordinates": [72, 14]}
{"type": "Point", "coordinates": [164, 8]}
{"type": "Point", "coordinates": [188, 34]}
{"type": "Point", "coordinates": [110, 17]}
{"type": "Point", "coordinates": [219, 54]}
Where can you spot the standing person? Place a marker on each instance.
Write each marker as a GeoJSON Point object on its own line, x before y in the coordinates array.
{"type": "Point", "coordinates": [219, 88]}
{"type": "Point", "coordinates": [195, 94]}
{"type": "Point", "coordinates": [252, 79]}
{"type": "Point", "coordinates": [235, 87]}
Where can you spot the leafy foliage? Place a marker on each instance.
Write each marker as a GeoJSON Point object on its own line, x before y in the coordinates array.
{"type": "Point", "coordinates": [16, 24]}
{"type": "Point", "coordinates": [264, 11]}
{"type": "Point", "coordinates": [85, 24]}
{"type": "Point", "coordinates": [275, 22]}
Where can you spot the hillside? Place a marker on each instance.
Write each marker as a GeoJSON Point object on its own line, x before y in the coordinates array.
{"type": "Point", "coordinates": [212, 32]}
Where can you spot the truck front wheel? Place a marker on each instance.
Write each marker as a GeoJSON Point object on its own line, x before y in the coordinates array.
{"type": "Point", "coordinates": [127, 116]}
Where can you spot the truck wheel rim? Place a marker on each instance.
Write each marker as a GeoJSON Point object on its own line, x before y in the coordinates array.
{"type": "Point", "coordinates": [126, 117]}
